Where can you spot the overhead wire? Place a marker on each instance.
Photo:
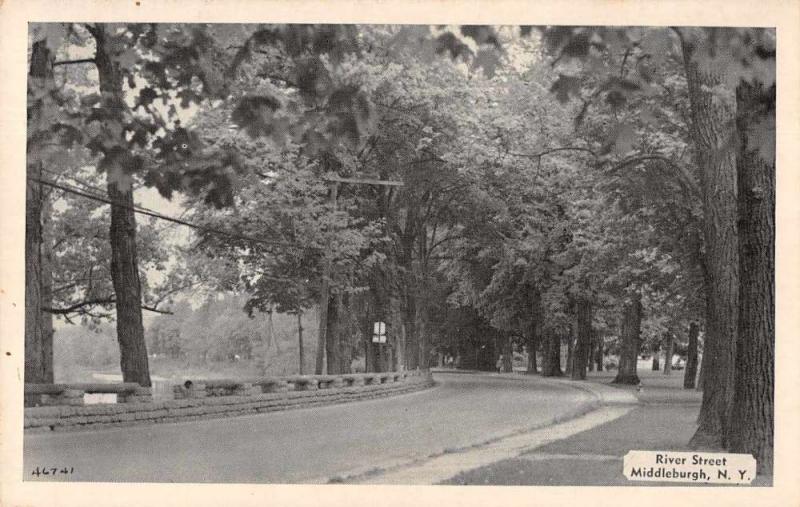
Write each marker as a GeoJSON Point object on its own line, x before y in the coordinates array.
{"type": "Point", "coordinates": [148, 212]}
{"type": "Point", "coordinates": [101, 191]}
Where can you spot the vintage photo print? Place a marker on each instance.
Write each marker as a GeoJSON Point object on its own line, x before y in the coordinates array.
{"type": "Point", "coordinates": [312, 253]}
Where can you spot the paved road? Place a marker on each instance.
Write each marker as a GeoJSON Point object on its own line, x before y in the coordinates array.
{"type": "Point", "coordinates": [309, 444]}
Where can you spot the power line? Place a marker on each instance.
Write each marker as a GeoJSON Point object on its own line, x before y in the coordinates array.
{"type": "Point", "coordinates": [72, 190]}
{"type": "Point", "coordinates": [101, 192]}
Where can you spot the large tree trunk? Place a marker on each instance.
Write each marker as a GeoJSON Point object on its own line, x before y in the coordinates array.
{"type": "Point", "coordinates": [409, 325]}
{"type": "Point", "coordinates": [570, 352]}
{"type": "Point", "coordinates": [409, 300]}
{"type": "Point", "coordinates": [583, 313]}
{"type": "Point", "coordinates": [508, 353]}
{"type": "Point", "coordinates": [47, 291]}
{"type": "Point", "coordinates": [669, 344]}
{"type": "Point", "coordinates": [551, 355]}
{"type": "Point", "coordinates": [400, 340]}
{"type": "Point", "coordinates": [332, 337]}
{"type": "Point", "coordinates": [599, 352]}
{"type": "Point", "coordinates": [530, 345]}
{"type": "Point", "coordinates": [629, 349]}
{"type": "Point", "coordinates": [38, 324]}
{"type": "Point", "coordinates": [344, 330]}
{"type": "Point", "coordinates": [34, 332]}
{"type": "Point", "coordinates": [122, 234]}
{"type": "Point", "coordinates": [422, 351]}
{"type": "Point", "coordinates": [322, 331]}
{"type": "Point", "coordinates": [127, 289]}
{"type": "Point", "coordinates": [691, 357]}
{"type": "Point", "coordinates": [366, 332]}
{"type": "Point", "coordinates": [534, 331]}
{"type": "Point", "coordinates": [753, 406]}
{"type": "Point", "coordinates": [699, 386]}
{"type": "Point", "coordinates": [709, 118]}
{"type": "Point", "coordinates": [590, 357]}
{"type": "Point", "coordinates": [411, 321]}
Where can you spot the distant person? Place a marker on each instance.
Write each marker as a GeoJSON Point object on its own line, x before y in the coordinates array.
{"type": "Point", "coordinates": [499, 365]}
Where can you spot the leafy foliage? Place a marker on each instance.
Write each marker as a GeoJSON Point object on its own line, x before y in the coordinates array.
{"type": "Point", "coordinates": [538, 167]}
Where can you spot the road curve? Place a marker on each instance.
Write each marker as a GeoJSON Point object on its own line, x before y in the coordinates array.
{"type": "Point", "coordinates": [308, 444]}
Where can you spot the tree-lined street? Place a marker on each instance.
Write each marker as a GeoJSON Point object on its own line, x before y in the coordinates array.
{"type": "Point", "coordinates": [239, 201]}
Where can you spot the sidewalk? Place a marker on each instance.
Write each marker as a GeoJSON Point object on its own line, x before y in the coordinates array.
{"type": "Point", "coordinates": [664, 419]}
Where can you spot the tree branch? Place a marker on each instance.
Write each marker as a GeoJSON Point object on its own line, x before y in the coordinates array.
{"type": "Point", "coordinates": [94, 302]}
{"type": "Point", "coordinates": [552, 150]}
{"type": "Point", "coordinates": [156, 310]}
{"type": "Point", "coordinates": [74, 308]}
{"type": "Point", "coordinates": [684, 177]}
{"type": "Point", "coordinates": [74, 62]}
{"type": "Point", "coordinates": [442, 241]}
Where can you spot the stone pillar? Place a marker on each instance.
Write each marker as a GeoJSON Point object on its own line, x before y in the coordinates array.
{"type": "Point", "coordinates": [189, 390]}
{"type": "Point", "coordinates": [71, 397]}
{"type": "Point", "coordinates": [140, 395]}
{"type": "Point", "coordinates": [309, 385]}
{"type": "Point", "coordinates": [279, 386]}
{"type": "Point", "coordinates": [246, 389]}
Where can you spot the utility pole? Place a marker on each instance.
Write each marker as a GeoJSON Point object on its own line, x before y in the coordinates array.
{"type": "Point", "coordinates": [323, 365]}
{"type": "Point", "coordinates": [323, 362]}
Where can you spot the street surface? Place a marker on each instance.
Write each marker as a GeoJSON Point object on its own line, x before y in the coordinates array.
{"type": "Point", "coordinates": [310, 444]}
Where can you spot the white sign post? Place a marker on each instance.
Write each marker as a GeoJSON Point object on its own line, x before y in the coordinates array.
{"type": "Point", "coordinates": [379, 332]}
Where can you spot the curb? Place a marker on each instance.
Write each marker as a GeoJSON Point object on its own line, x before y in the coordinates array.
{"type": "Point", "coordinates": [606, 394]}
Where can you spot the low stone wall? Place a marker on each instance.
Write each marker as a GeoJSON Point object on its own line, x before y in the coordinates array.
{"type": "Point", "coordinates": [224, 398]}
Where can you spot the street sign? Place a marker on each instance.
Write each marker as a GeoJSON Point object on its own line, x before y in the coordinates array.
{"type": "Point", "coordinates": [379, 332]}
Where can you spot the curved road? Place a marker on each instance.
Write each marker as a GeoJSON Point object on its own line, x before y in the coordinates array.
{"type": "Point", "coordinates": [309, 444]}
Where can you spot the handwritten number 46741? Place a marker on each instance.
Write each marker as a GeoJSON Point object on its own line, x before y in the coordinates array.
{"type": "Point", "coordinates": [40, 471]}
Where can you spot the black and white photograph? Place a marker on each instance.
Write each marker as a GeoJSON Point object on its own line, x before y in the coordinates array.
{"type": "Point", "coordinates": [448, 254]}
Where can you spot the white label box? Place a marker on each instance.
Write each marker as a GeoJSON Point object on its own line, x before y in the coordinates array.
{"type": "Point", "coordinates": [689, 467]}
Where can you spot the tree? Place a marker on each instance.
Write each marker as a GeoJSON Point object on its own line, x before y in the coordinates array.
{"type": "Point", "coordinates": [669, 351]}
{"type": "Point", "coordinates": [690, 373]}
{"type": "Point", "coordinates": [38, 333]}
{"type": "Point", "coordinates": [718, 181]}
{"type": "Point", "coordinates": [122, 232]}
{"type": "Point", "coordinates": [629, 348]}
{"type": "Point", "coordinates": [110, 128]}
{"type": "Point", "coordinates": [753, 405]}
{"type": "Point", "coordinates": [583, 317]}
